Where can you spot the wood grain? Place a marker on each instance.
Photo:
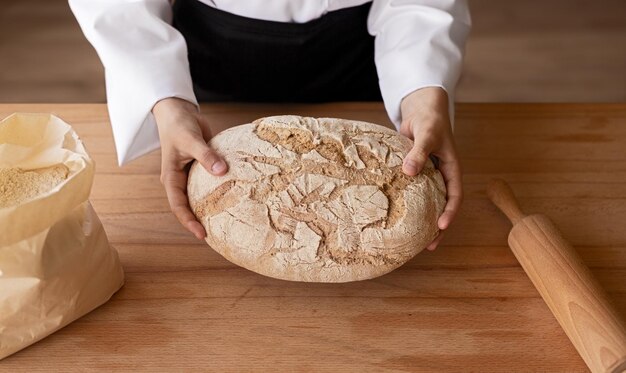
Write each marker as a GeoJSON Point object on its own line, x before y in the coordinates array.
{"type": "Point", "coordinates": [468, 306]}
{"type": "Point", "coordinates": [578, 302]}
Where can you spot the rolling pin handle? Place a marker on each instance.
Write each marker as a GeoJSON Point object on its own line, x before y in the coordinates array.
{"type": "Point", "coordinates": [501, 194]}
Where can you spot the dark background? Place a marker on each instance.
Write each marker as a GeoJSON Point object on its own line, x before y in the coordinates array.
{"type": "Point", "coordinates": [519, 51]}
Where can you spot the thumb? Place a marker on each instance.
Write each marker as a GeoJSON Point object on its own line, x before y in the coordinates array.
{"type": "Point", "coordinates": [415, 159]}
{"type": "Point", "coordinates": [209, 158]}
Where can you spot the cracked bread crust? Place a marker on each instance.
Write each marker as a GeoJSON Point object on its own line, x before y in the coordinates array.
{"type": "Point", "coordinates": [316, 199]}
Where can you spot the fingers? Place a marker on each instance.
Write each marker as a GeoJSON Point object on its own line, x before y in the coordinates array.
{"type": "Point", "coordinates": [451, 171]}
{"type": "Point", "coordinates": [437, 139]}
{"type": "Point", "coordinates": [175, 183]}
{"type": "Point", "coordinates": [424, 140]}
{"type": "Point", "coordinates": [415, 160]}
{"type": "Point", "coordinates": [182, 131]}
{"type": "Point", "coordinates": [209, 158]}
{"type": "Point", "coordinates": [433, 245]}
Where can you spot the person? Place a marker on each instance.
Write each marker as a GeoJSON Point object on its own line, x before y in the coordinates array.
{"type": "Point", "coordinates": [161, 59]}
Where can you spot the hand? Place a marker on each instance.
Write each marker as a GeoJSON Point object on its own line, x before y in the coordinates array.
{"type": "Point", "coordinates": [184, 133]}
{"type": "Point", "coordinates": [426, 121]}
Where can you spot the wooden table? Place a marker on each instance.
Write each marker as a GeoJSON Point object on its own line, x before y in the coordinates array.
{"type": "Point", "coordinates": [468, 306]}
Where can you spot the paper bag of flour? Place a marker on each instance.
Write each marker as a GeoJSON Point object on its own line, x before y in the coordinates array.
{"type": "Point", "coordinates": [55, 261]}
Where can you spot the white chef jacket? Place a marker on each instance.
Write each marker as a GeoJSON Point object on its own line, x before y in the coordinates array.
{"type": "Point", "coordinates": [418, 43]}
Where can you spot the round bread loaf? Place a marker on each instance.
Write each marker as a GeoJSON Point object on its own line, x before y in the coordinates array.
{"type": "Point", "coordinates": [317, 200]}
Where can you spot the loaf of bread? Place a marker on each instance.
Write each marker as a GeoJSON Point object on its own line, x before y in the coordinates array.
{"type": "Point", "coordinates": [316, 199]}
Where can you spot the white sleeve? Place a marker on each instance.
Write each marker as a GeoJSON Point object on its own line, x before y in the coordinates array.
{"type": "Point", "coordinates": [145, 60]}
{"type": "Point", "coordinates": [419, 43]}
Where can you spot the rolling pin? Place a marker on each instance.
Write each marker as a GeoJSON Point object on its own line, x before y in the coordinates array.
{"type": "Point", "coordinates": [568, 287]}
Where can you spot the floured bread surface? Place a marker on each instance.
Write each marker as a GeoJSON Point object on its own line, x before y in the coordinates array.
{"type": "Point", "coordinates": [18, 186]}
{"type": "Point", "coordinates": [319, 200]}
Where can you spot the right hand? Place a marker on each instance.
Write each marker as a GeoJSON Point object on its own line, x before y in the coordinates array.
{"type": "Point", "coordinates": [184, 134]}
{"type": "Point", "coordinates": [426, 121]}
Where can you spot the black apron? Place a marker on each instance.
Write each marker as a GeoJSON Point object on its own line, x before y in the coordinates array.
{"type": "Point", "coordinates": [234, 58]}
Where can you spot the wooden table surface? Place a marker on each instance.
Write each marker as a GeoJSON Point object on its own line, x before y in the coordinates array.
{"type": "Point", "coordinates": [468, 306]}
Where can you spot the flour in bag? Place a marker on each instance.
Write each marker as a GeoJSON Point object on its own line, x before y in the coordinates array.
{"type": "Point", "coordinates": [18, 186]}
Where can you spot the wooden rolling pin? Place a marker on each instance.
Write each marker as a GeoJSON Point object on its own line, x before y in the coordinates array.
{"type": "Point", "coordinates": [574, 296]}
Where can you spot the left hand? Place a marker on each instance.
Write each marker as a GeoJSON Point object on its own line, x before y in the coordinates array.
{"type": "Point", "coordinates": [426, 121]}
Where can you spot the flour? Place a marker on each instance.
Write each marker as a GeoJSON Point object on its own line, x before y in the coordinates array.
{"type": "Point", "coordinates": [18, 186]}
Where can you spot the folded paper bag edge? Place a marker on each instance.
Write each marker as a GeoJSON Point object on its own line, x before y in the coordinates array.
{"type": "Point", "coordinates": [103, 276]}
{"type": "Point", "coordinates": [64, 197]}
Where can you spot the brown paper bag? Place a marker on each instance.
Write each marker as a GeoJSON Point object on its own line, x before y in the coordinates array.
{"type": "Point", "coordinates": [56, 264]}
